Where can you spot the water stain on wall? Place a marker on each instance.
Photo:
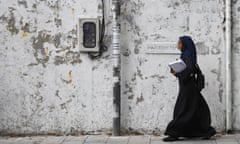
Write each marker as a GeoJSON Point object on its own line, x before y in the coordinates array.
{"type": "Point", "coordinates": [23, 3]}
{"type": "Point", "coordinates": [130, 9]}
{"type": "Point", "coordinates": [56, 39]}
{"type": "Point", "coordinates": [154, 90]}
{"type": "Point", "coordinates": [238, 39]}
{"type": "Point", "coordinates": [38, 46]}
{"type": "Point", "coordinates": [137, 44]}
{"type": "Point", "coordinates": [11, 21]}
{"type": "Point", "coordinates": [3, 18]}
{"type": "Point", "coordinates": [72, 35]}
{"type": "Point", "coordinates": [126, 52]}
{"type": "Point", "coordinates": [128, 91]}
{"type": "Point", "coordinates": [158, 77]}
{"type": "Point", "coordinates": [57, 94]}
{"type": "Point", "coordinates": [202, 48]}
{"type": "Point", "coordinates": [65, 54]}
{"type": "Point", "coordinates": [70, 57]}
{"type": "Point", "coordinates": [63, 106]}
{"type": "Point", "coordinates": [216, 48]}
{"type": "Point", "coordinates": [54, 4]}
{"type": "Point", "coordinates": [139, 73]}
{"type": "Point", "coordinates": [220, 85]}
{"type": "Point", "coordinates": [236, 47]}
{"type": "Point", "coordinates": [135, 6]}
{"type": "Point", "coordinates": [140, 99]}
{"type": "Point", "coordinates": [25, 27]}
{"type": "Point", "coordinates": [58, 22]}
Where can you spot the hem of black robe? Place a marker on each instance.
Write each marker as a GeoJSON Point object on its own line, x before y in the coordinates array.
{"type": "Point", "coordinates": [209, 133]}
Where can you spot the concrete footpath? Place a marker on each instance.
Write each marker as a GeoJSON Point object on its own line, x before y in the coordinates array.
{"type": "Point", "coordinates": [226, 139]}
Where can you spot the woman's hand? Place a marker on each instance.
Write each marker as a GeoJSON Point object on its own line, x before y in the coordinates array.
{"type": "Point", "coordinates": [173, 72]}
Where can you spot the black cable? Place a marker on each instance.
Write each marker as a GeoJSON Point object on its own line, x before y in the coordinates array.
{"type": "Point", "coordinates": [102, 46]}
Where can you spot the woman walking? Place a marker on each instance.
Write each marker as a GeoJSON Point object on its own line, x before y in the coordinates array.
{"type": "Point", "coordinates": [191, 117]}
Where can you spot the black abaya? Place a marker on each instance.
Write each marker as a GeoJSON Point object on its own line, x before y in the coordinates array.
{"type": "Point", "coordinates": [191, 116]}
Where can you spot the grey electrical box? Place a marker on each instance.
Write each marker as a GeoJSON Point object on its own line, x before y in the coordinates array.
{"type": "Point", "coordinates": [89, 34]}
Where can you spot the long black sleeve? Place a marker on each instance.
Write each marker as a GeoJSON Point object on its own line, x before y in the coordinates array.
{"type": "Point", "coordinates": [185, 74]}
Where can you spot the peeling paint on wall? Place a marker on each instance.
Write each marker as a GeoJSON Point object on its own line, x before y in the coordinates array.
{"type": "Point", "coordinates": [45, 80]}
{"type": "Point", "coordinates": [38, 45]}
{"type": "Point", "coordinates": [149, 78]}
{"type": "Point", "coordinates": [47, 85]}
{"type": "Point", "coordinates": [202, 48]}
{"type": "Point", "coordinates": [11, 23]}
{"type": "Point", "coordinates": [22, 2]}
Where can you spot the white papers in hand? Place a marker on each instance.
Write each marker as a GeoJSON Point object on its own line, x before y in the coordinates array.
{"type": "Point", "coordinates": [178, 65]}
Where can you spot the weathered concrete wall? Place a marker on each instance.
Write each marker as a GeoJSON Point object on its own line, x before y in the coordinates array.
{"type": "Point", "coordinates": [48, 86]}
{"type": "Point", "coordinates": [149, 90]}
{"type": "Point", "coordinates": [236, 63]}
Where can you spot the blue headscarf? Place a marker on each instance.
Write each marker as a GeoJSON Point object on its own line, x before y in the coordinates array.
{"type": "Point", "coordinates": [189, 49]}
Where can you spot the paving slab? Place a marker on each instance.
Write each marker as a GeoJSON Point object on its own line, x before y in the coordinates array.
{"type": "Point", "coordinates": [237, 136]}
{"type": "Point", "coordinates": [5, 141]}
{"type": "Point", "coordinates": [101, 139]}
{"type": "Point", "coordinates": [118, 140]}
{"type": "Point", "coordinates": [28, 140]}
{"type": "Point", "coordinates": [158, 140]}
{"type": "Point", "coordinates": [53, 140]}
{"type": "Point", "coordinates": [74, 140]}
{"type": "Point", "coordinates": [229, 139]}
{"type": "Point", "coordinates": [139, 140]}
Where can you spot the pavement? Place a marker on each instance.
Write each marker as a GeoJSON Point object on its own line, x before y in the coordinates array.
{"type": "Point", "coordinates": [103, 139]}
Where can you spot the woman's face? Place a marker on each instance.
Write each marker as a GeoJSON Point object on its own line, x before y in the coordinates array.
{"type": "Point", "coordinates": [179, 45]}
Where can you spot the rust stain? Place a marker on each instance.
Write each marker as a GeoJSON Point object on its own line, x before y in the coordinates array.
{"type": "Point", "coordinates": [70, 76]}
{"type": "Point", "coordinates": [47, 51]}
{"type": "Point", "coordinates": [73, 11]}
{"type": "Point", "coordinates": [24, 34]}
{"type": "Point", "coordinates": [69, 79]}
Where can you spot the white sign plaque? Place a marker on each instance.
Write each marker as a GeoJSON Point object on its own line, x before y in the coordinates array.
{"type": "Point", "coordinates": [160, 48]}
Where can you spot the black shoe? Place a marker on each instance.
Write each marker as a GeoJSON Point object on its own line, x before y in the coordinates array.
{"type": "Point", "coordinates": [207, 137]}
{"type": "Point", "coordinates": [210, 134]}
{"type": "Point", "coordinates": [170, 139]}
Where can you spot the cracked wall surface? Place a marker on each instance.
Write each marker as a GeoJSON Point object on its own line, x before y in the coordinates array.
{"type": "Point", "coordinates": [149, 90]}
{"type": "Point", "coordinates": [48, 86]}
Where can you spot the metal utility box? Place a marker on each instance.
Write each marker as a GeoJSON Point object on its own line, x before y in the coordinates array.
{"type": "Point", "coordinates": [89, 34]}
